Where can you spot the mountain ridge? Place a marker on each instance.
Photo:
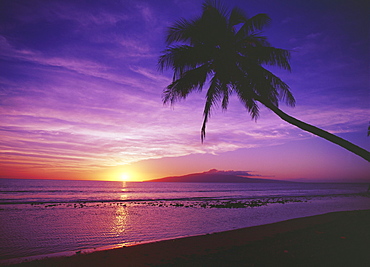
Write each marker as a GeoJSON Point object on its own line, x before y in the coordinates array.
{"type": "Point", "coordinates": [216, 176]}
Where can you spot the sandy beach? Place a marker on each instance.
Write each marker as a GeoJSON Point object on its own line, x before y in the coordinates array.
{"type": "Point", "coordinates": [332, 239]}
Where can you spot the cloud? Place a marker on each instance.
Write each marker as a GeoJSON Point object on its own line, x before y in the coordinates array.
{"type": "Point", "coordinates": [85, 14]}
{"type": "Point", "coordinates": [91, 116]}
{"type": "Point", "coordinates": [153, 76]}
{"type": "Point", "coordinates": [146, 13]}
{"type": "Point", "coordinates": [80, 89]}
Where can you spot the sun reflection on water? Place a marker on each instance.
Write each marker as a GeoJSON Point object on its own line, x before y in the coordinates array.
{"type": "Point", "coordinates": [120, 221]}
{"type": "Point", "coordinates": [123, 197]}
{"type": "Point", "coordinates": [123, 189]}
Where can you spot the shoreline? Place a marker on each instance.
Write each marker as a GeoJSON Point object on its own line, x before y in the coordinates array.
{"type": "Point", "coordinates": [336, 238]}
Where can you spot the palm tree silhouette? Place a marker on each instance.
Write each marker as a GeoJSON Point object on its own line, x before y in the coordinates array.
{"type": "Point", "coordinates": [224, 49]}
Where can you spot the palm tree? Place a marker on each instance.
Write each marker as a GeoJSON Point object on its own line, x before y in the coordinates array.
{"type": "Point", "coordinates": [224, 50]}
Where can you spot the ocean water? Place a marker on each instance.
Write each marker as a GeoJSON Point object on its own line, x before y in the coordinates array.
{"type": "Point", "coordinates": [44, 217]}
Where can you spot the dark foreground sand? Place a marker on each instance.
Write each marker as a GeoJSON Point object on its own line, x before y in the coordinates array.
{"type": "Point", "coordinates": [333, 239]}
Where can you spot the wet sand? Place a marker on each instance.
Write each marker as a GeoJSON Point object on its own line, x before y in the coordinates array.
{"type": "Point", "coordinates": [332, 239]}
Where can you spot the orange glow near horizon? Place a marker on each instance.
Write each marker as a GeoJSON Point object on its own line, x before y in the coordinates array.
{"type": "Point", "coordinates": [125, 177]}
{"type": "Point", "coordinates": [99, 116]}
{"type": "Point", "coordinates": [304, 160]}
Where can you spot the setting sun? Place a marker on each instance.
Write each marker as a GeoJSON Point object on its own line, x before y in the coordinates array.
{"type": "Point", "coordinates": [125, 177]}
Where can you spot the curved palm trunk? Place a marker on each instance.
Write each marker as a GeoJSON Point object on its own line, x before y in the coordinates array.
{"type": "Point", "coordinates": [319, 132]}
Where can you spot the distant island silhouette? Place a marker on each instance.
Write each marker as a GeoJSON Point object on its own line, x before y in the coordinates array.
{"type": "Point", "coordinates": [216, 176]}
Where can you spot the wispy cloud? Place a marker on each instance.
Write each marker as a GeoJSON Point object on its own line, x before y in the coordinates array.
{"type": "Point", "coordinates": [80, 89]}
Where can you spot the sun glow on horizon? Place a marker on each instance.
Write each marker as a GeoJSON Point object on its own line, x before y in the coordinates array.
{"type": "Point", "coordinates": [125, 177]}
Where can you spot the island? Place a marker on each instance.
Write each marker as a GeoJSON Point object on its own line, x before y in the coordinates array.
{"type": "Point", "coordinates": [217, 176]}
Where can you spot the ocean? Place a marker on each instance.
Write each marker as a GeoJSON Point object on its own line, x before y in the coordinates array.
{"type": "Point", "coordinates": [51, 217]}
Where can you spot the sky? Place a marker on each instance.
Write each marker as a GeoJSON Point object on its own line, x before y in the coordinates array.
{"type": "Point", "coordinates": [81, 95]}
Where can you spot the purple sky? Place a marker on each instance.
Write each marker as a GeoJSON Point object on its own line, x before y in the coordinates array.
{"type": "Point", "coordinates": [81, 94]}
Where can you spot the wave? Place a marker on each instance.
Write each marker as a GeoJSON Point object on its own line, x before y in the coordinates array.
{"type": "Point", "coordinates": [267, 199]}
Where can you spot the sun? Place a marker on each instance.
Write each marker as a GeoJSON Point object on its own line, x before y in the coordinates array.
{"type": "Point", "coordinates": [125, 177]}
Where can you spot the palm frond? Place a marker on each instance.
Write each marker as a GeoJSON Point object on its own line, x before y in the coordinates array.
{"type": "Point", "coordinates": [255, 23]}
{"type": "Point", "coordinates": [213, 26]}
{"type": "Point", "coordinates": [237, 16]}
{"type": "Point", "coordinates": [175, 57]}
{"type": "Point", "coordinates": [267, 85]}
{"type": "Point", "coordinates": [226, 96]}
{"type": "Point", "coordinates": [245, 92]}
{"type": "Point", "coordinates": [182, 31]}
{"type": "Point", "coordinates": [214, 94]}
{"type": "Point", "coordinates": [271, 88]}
{"type": "Point", "coordinates": [252, 40]}
{"type": "Point", "coordinates": [183, 58]}
{"type": "Point", "coordinates": [215, 6]}
{"type": "Point", "coordinates": [252, 108]}
{"type": "Point", "coordinates": [272, 56]}
{"type": "Point", "coordinates": [192, 80]}
{"type": "Point", "coordinates": [280, 89]}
